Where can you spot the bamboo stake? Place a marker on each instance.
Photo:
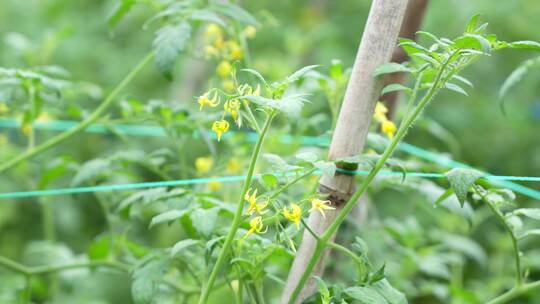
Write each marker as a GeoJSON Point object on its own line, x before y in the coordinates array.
{"type": "Point", "coordinates": [376, 46]}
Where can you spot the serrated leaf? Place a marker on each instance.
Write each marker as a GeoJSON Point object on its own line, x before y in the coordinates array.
{"type": "Point", "coordinates": [183, 244]}
{"type": "Point", "coordinates": [390, 67]}
{"type": "Point", "coordinates": [391, 294]}
{"type": "Point", "coordinates": [147, 278]}
{"type": "Point", "coordinates": [290, 105]}
{"type": "Point", "coordinates": [208, 16]}
{"type": "Point", "coordinates": [169, 42]}
{"type": "Point", "coordinates": [308, 157]}
{"type": "Point", "coordinates": [516, 75]}
{"type": "Point", "coordinates": [235, 12]}
{"type": "Point", "coordinates": [327, 168]}
{"type": "Point", "coordinates": [204, 220]}
{"type": "Point", "coordinates": [90, 171]}
{"type": "Point", "coordinates": [394, 87]}
{"type": "Point", "coordinates": [167, 217]}
{"type": "Point", "coordinates": [533, 213]}
{"type": "Point", "coordinates": [462, 180]}
{"type": "Point", "coordinates": [365, 295]}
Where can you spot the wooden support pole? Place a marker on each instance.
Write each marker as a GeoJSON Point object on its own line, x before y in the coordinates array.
{"type": "Point", "coordinates": [377, 44]}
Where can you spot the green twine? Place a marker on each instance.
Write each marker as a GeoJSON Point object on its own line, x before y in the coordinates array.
{"type": "Point", "coordinates": [146, 130]}
{"type": "Point", "coordinates": [233, 178]}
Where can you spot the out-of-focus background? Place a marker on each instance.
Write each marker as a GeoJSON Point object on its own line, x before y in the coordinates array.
{"type": "Point", "coordinates": [292, 34]}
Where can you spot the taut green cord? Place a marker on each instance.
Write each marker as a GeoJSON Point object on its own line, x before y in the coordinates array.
{"type": "Point", "coordinates": [232, 178]}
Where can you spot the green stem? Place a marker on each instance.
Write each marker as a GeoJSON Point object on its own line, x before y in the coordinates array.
{"type": "Point", "coordinates": [47, 209]}
{"type": "Point", "coordinates": [259, 292]}
{"type": "Point", "coordinates": [238, 214]}
{"type": "Point", "coordinates": [39, 270]}
{"type": "Point", "coordinates": [515, 292]}
{"type": "Point", "coordinates": [93, 117]}
{"type": "Point", "coordinates": [347, 252]}
{"type": "Point", "coordinates": [515, 246]}
{"type": "Point", "coordinates": [326, 236]}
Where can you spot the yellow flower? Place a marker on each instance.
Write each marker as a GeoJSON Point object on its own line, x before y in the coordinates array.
{"type": "Point", "coordinates": [253, 205]}
{"type": "Point", "coordinates": [319, 205]}
{"type": "Point", "coordinates": [210, 52]}
{"type": "Point", "coordinates": [388, 128]}
{"type": "Point", "coordinates": [257, 91]}
{"type": "Point", "coordinates": [233, 51]}
{"type": "Point", "coordinates": [293, 214]}
{"type": "Point", "coordinates": [214, 185]}
{"type": "Point", "coordinates": [256, 225]}
{"type": "Point", "coordinates": [213, 32]}
{"type": "Point", "coordinates": [228, 85]}
{"type": "Point", "coordinates": [26, 129]}
{"type": "Point", "coordinates": [220, 127]}
{"type": "Point", "coordinates": [224, 69]}
{"type": "Point", "coordinates": [204, 164]}
{"type": "Point", "coordinates": [232, 106]}
{"type": "Point", "coordinates": [44, 117]}
{"type": "Point", "coordinates": [233, 165]}
{"type": "Point", "coordinates": [380, 112]}
{"type": "Point", "coordinates": [3, 140]}
{"type": "Point", "coordinates": [205, 100]}
{"type": "Point", "coordinates": [3, 108]}
{"type": "Point", "coordinates": [249, 31]}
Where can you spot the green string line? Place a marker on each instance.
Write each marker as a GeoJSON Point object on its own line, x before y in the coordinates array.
{"type": "Point", "coordinates": [147, 130]}
{"type": "Point", "coordinates": [233, 178]}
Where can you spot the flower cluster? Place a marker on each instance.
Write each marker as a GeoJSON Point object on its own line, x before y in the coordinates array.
{"type": "Point", "coordinates": [224, 51]}
{"type": "Point", "coordinates": [387, 126]}
{"type": "Point", "coordinates": [256, 224]}
{"type": "Point", "coordinates": [231, 106]}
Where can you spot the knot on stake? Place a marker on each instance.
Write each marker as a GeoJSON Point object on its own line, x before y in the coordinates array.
{"type": "Point", "coordinates": [335, 196]}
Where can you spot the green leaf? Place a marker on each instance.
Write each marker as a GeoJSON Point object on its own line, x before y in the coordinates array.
{"type": "Point", "coordinates": [235, 12]}
{"type": "Point", "coordinates": [323, 290]}
{"type": "Point", "coordinates": [90, 171]}
{"type": "Point", "coordinates": [426, 58]}
{"type": "Point", "coordinates": [454, 87]}
{"type": "Point", "coordinates": [462, 180]}
{"type": "Point", "coordinates": [167, 217]}
{"type": "Point", "coordinates": [269, 180]}
{"type": "Point", "coordinates": [308, 157]}
{"type": "Point", "coordinates": [525, 45]}
{"type": "Point", "coordinates": [204, 220]}
{"type": "Point", "coordinates": [299, 74]}
{"type": "Point", "coordinates": [444, 196]}
{"type": "Point", "coordinates": [327, 168]}
{"type": "Point", "coordinates": [147, 278]}
{"type": "Point", "coordinates": [395, 87]}
{"type": "Point", "coordinates": [472, 42]}
{"type": "Point", "coordinates": [365, 295]}
{"type": "Point", "coordinates": [256, 74]}
{"type": "Point", "coordinates": [463, 80]}
{"type": "Point", "coordinates": [532, 232]}
{"type": "Point", "coordinates": [120, 9]}
{"type": "Point", "coordinates": [465, 245]}
{"type": "Point", "coordinates": [390, 67]}
{"type": "Point", "coordinates": [471, 25]}
{"type": "Point", "coordinates": [533, 213]}
{"type": "Point", "coordinates": [207, 16]}
{"type": "Point", "coordinates": [516, 75]}
{"type": "Point", "coordinates": [391, 294]}
{"type": "Point", "coordinates": [290, 105]}
{"type": "Point", "coordinates": [377, 275]}
{"type": "Point", "coordinates": [183, 244]}
{"type": "Point", "coordinates": [169, 42]}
